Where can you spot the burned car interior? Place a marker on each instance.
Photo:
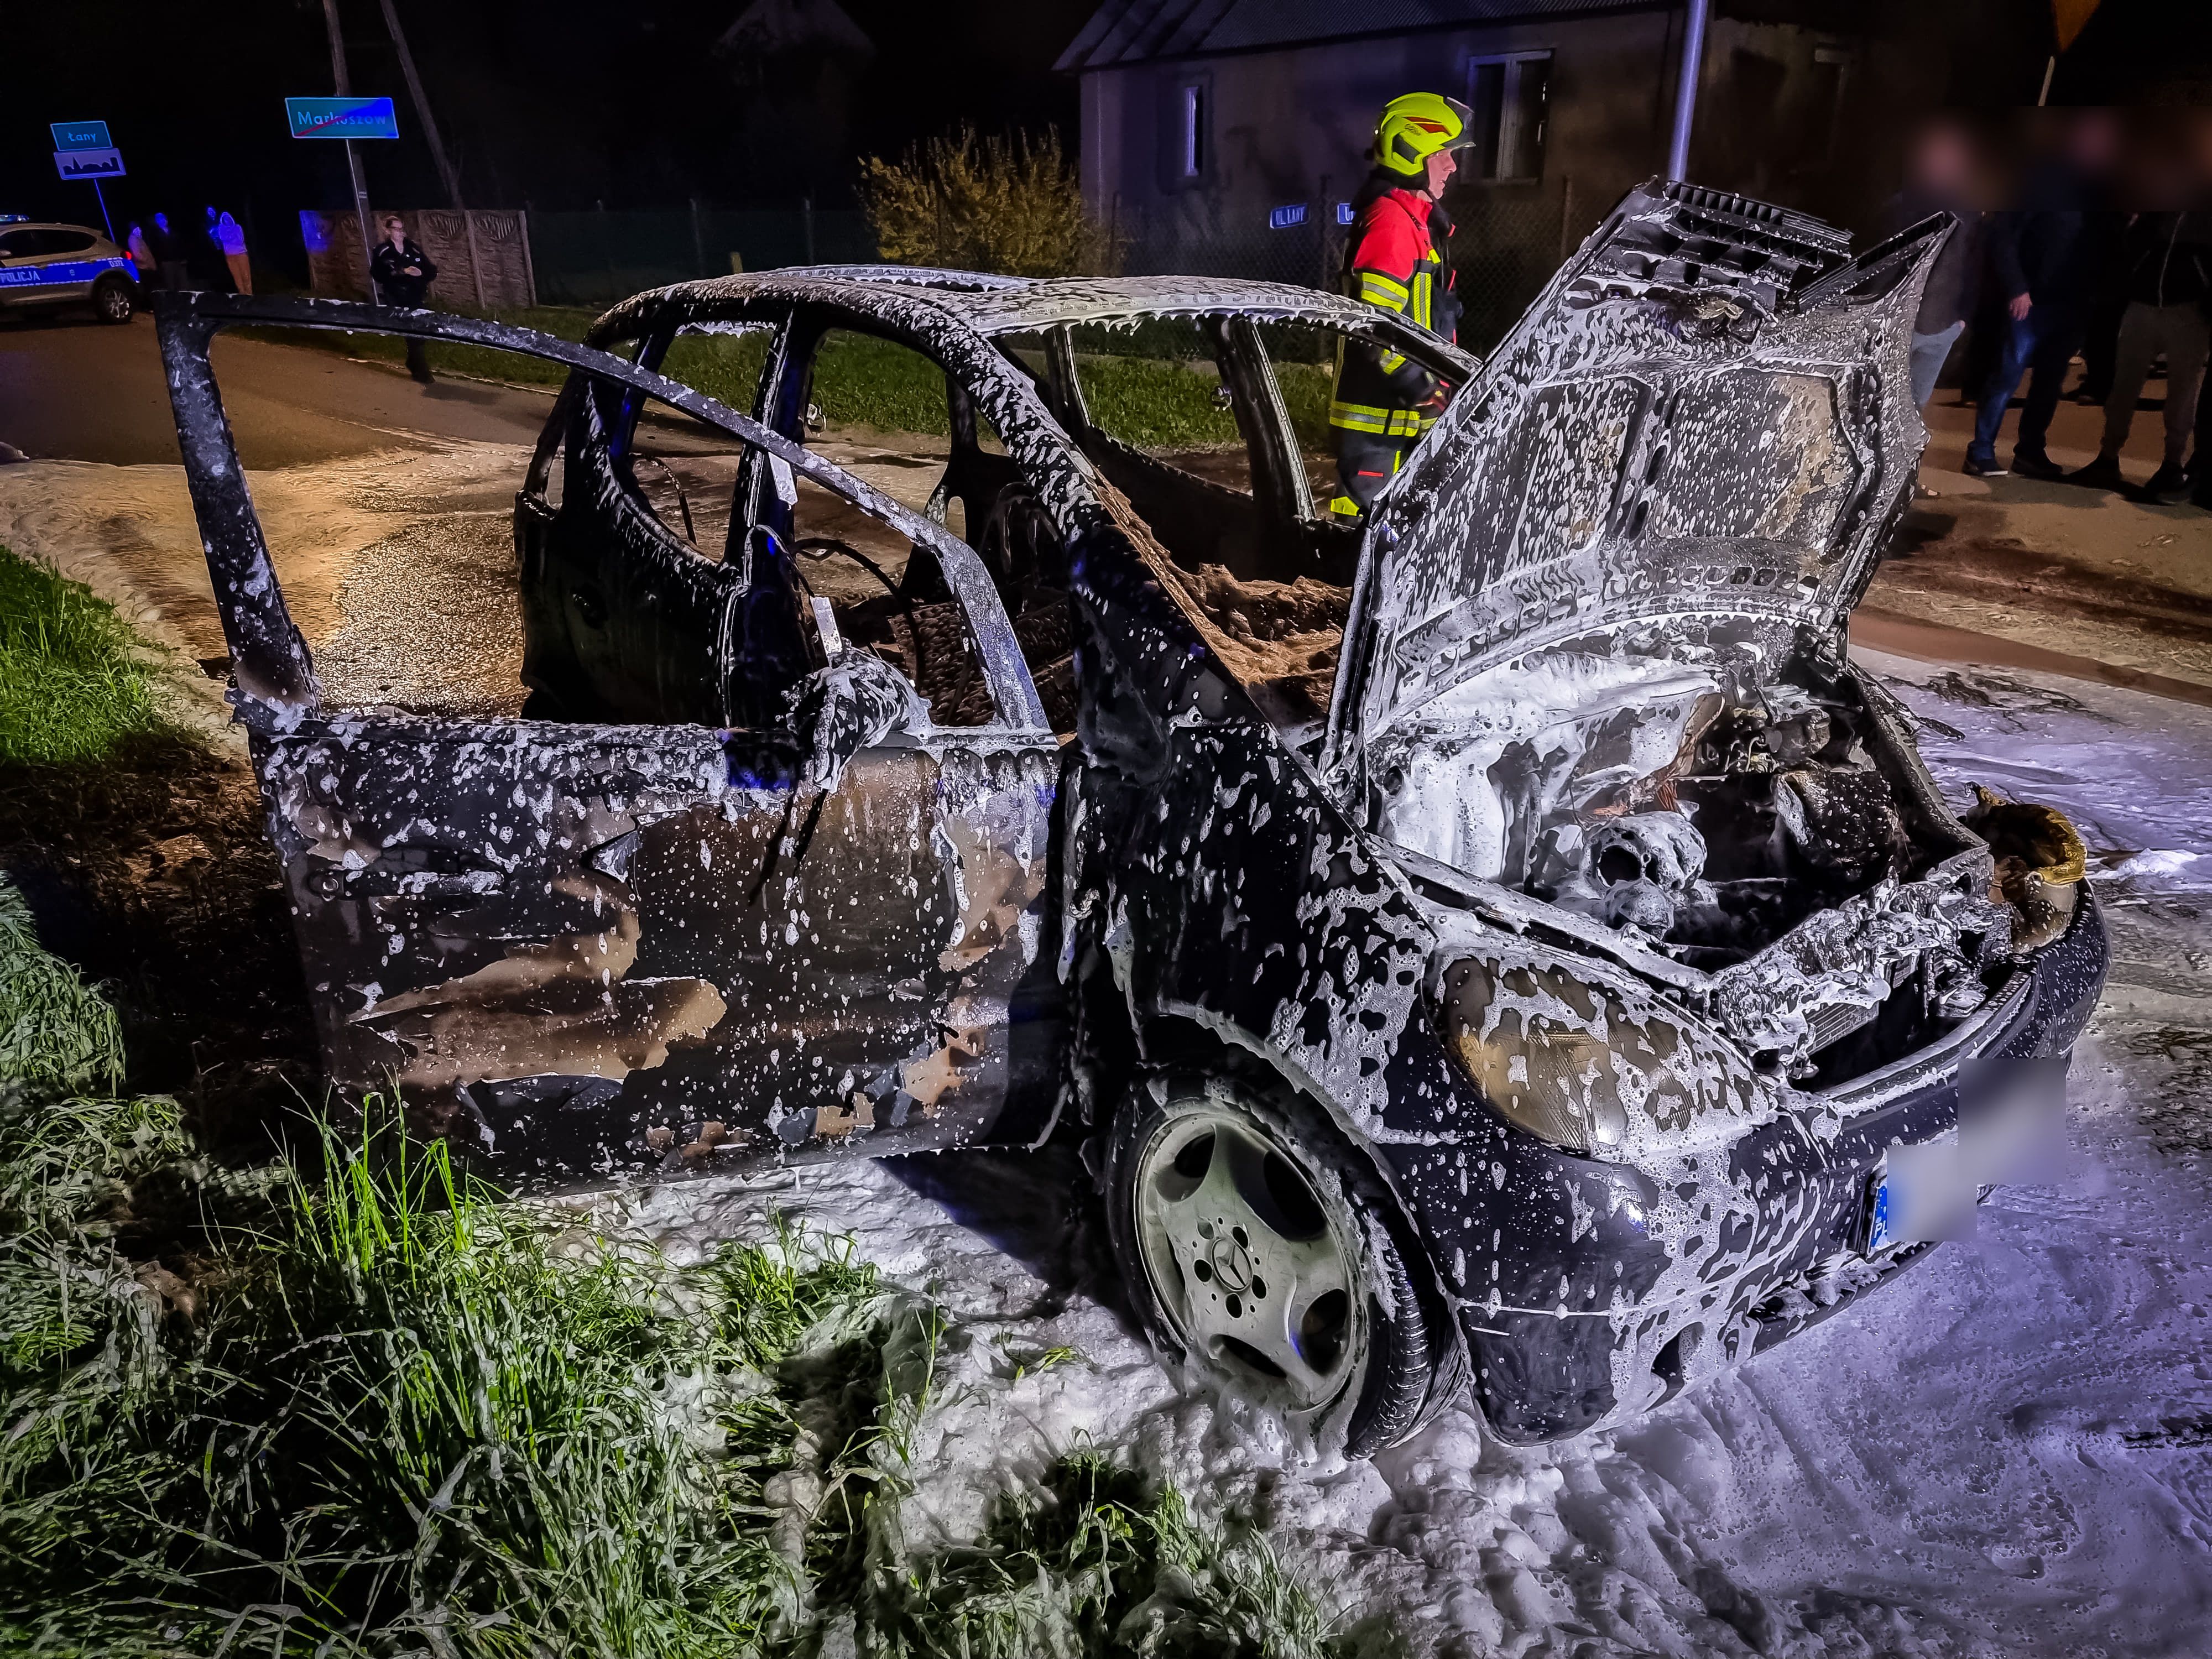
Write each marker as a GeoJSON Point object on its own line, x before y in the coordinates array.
{"type": "Point", "coordinates": [1531, 847]}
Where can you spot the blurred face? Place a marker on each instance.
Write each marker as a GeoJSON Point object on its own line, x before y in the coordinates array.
{"type": "Point", "coordinates": [1441, 166]}
{"type": "Point", "coordinates": [1941, 163]}
{"type": "Point", "coordinates": [2094, 140]}
{"type": "Point", "coordinates": [393, 230]}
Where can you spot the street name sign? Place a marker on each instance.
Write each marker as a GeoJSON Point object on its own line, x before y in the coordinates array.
{"type": "Point", "coordinates": [342, 117]}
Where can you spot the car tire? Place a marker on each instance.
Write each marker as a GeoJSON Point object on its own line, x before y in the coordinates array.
{"type": "Point", "coordinates": [113, 300]}
{"type": "Point", "coordinates": [1211, 1185]}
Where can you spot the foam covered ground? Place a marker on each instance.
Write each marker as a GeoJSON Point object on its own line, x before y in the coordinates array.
{"type": "Point", "coordinates": [2007, 1451]}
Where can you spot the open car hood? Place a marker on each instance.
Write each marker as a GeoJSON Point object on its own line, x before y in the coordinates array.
{"type": "Point", "coordinates": [1694, 442]}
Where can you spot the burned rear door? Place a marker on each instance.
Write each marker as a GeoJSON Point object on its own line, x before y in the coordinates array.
{"type": "Point", "coordinates": [595, 947]}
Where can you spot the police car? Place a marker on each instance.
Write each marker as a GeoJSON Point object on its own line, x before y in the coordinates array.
{"type": "Point", "coordinates": [49, 264]}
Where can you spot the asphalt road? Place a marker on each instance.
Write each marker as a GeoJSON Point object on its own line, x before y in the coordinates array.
{"type": "Point", "coordinates": [89, 391]}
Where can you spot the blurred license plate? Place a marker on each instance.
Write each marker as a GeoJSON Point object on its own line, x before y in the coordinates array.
{"type": "Point", "coordinates": [1881, 1215]}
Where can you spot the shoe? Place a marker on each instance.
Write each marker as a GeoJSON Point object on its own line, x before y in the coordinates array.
{"type": "Point", "coordinates": [1975, 467]}
{"type": "Point", "coordinates": [2168, 480]}
{"type": "Point", "coordinates": [2035, 463]}
{"type": "Point", "coordinates": [2103, 473]}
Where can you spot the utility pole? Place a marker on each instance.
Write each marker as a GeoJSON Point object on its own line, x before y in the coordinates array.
{"type": "Point", "coordinates": [1685, 95]}
{"type": "Point", "coordinates": [446, 170]}
{"type": "Point", "coordinates": [453, 180]}
{"type": "Point", "coordinates": [343, 88]}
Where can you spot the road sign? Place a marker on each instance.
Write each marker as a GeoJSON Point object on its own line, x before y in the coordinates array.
{"type": "Point", "coordinates": [81, 135]}
{"type": "Point", "coordinates": [88, 166]}
{"type": "Point", "coordinates": [342, 117]}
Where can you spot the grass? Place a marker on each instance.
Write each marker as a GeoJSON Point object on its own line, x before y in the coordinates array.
{"type": "Point", "coordinates": [352, 1403]}
{"type": "Point", "coordinates": [56, 1031]}
{"type": "Point", "coordinates": [75, 685]}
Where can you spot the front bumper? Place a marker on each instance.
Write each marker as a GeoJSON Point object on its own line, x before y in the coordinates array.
{"type": "Point", "coordinates": [1572, 1310]}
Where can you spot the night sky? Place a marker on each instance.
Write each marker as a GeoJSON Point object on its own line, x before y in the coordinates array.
{"type": "Point", "coordinates": [563, 104]}
{"type": "Point", "coordinates": [552, 103]}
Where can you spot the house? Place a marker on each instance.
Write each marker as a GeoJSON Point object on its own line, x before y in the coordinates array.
{"type": "Point", "coordinates": [1225, 136]}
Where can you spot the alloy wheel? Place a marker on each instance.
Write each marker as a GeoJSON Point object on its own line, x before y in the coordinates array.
{"type": "Point", "coordinates": [1245, 1258]}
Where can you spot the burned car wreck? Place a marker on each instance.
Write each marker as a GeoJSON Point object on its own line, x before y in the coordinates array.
{"type": "Point", "coordinates": [1495, 946]}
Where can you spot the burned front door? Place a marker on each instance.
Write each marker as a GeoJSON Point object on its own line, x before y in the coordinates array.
{"type": "Point", "coordinates": [595, 947]}
{"type": "Point", "coordinates": [613, 944]}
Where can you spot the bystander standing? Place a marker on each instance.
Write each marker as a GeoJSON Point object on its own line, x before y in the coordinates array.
{"type": "Point", "coordinates": [2169, 272]}
{"type": "Point", "coordinates": [2045, 256]}
{"type": "Point", "coordinates": [1942, 176]}
{"type": "Point", "coordinates": [402, 273]}
{"type": "Point", "coordinates": [229, 237]}
{"type": "Point", "coordinates": [169, 253]}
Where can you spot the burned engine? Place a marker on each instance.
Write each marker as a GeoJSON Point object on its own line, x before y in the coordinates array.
{"type": "Point", "coordinates": [1753, 830]}
{"type": "Point", "coordinates": [1771, 809]}
{"type": "Point", "coordinates": [1710, 815]}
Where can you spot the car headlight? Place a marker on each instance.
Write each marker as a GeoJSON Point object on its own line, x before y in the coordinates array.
{"type": "Point", "coordinates": [1575, 1064]}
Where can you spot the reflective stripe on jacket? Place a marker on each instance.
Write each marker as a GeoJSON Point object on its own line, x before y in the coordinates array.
{"type": "Point", "coordinates": [1393, 262]}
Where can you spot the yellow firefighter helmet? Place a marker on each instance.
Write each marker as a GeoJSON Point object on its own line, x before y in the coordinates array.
{"type": "Point", "coordinates": [1415, 127]}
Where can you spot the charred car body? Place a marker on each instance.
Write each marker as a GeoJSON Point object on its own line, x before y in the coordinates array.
{"type": "Point", "coordinates": [1500, 944]}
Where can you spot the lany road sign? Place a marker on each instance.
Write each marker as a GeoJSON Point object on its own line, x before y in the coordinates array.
{"type": "Point", "coordinates": [342, 117]}
{"type": "Point", "coordinates": [84, 154]}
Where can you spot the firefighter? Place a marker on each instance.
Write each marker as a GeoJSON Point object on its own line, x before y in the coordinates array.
{"type": "Point", "coordinates": [1393, 258]}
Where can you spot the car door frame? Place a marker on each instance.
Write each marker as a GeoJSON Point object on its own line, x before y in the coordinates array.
{"type": "Point", "coordinates": [1007, 770]}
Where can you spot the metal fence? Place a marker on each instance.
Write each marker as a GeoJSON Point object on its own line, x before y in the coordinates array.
{"type": "Point", "coordinates": [596, 258]}
{"type": "Point", "coordinates": [1508, 242]}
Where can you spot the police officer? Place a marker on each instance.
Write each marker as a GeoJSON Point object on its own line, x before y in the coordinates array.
{"type": "Point", "coordinates": [1394, 259]}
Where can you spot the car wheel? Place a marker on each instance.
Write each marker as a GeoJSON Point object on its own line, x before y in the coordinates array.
{"type": "Point", "coordinates": [112, 300]}
{"type": "Point", "coordinates": [1265, 1253]}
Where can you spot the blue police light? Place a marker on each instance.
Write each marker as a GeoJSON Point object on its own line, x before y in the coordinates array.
{"type": "Point", "coordinates": [14, 218]}
{"type": "Point", "coordinates": [1283, 218]}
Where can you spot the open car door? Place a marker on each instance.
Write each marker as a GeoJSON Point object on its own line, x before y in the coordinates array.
{"type": "Point", "coordinates": [593, 948]}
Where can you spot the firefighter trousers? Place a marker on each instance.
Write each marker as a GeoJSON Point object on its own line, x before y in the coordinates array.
{"type": "Point", "coordinates": [1365, 463]}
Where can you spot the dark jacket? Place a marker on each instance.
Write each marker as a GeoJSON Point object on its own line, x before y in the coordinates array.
{"type": "Point", "coordinates": [2054, 246]}
{"type": "Point", "coordinates": [1956, 280]}
{"type": "Point", "coordinates": [388, 264]}
{"type": "Point", "coordinates": [2168, 259]}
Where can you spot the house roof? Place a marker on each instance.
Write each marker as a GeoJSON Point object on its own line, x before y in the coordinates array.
{"type": "Point", "coordinates": [1138, 31]}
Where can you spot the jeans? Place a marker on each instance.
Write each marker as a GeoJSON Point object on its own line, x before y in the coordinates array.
{"type": "Point", "coordinates": [2043, 343]}
{"type": "Point", "coordinates": [1930, 353]}
{"type": "Point", "coordinates": [2184, 335]}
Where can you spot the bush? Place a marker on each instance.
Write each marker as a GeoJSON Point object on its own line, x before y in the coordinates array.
{"type": "Point", "coordinates": [74, 685]}
{"type": "Point", "coordinates": [1011, 205]}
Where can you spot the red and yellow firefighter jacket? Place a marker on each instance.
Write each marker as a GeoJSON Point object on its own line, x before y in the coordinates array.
{"type": "Point", "coordinates": [1394, 261]}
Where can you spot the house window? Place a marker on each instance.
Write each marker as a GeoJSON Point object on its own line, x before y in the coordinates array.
{"type": "Point", "coordinates": [1192, 133]}
{"type": "Point", "coordinates": [1510, 96]}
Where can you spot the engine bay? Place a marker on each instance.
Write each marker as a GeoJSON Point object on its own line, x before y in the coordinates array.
{"type": "Point", "coordinates": [1774, 835]}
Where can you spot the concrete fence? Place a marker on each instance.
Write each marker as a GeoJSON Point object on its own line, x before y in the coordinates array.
{"type": "Point", "coordinates": [483, 256]}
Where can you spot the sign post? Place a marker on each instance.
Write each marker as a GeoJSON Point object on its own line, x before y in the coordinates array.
{"type": "Point", "coordinates": [82, 151]}
{"type": "Point", "coordinates": [348, 117]}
